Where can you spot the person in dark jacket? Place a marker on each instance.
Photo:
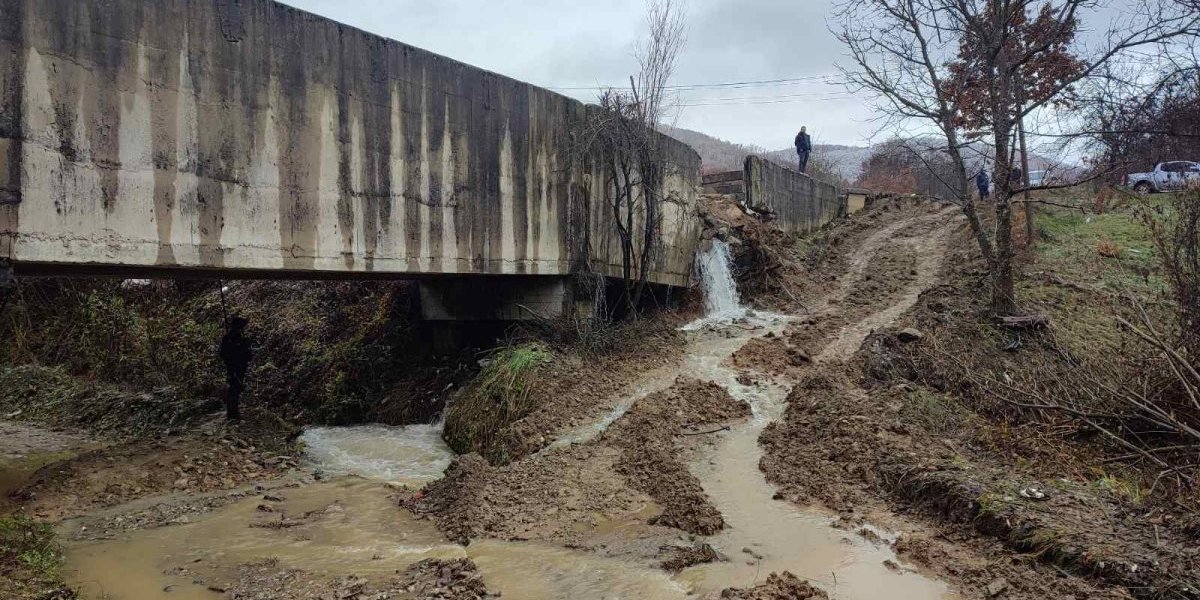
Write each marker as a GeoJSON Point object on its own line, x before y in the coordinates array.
{"type": "Point", "coordinates": [983, 184]}
{"type": "Point", "coordinates": [8, 283]}
{"type": "Point", "coordinates": [235, 354]}
{"type": "Point", "coordinates": [803, 148]}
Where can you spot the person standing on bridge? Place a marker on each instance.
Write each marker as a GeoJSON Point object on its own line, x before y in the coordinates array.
{"type": "Point", "coordinates": [803, 148]}
{"type": "Point", "coordinates": [235, 354]}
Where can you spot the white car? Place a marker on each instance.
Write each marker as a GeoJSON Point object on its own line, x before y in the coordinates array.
{"type": "Point", "coordinates": [1166, 177]}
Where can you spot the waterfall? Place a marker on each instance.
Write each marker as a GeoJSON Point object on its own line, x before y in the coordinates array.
{"type": "Point", "coordinates": [720, 291]}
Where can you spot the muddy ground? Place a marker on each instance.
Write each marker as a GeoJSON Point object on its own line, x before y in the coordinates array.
{"type": "Point", "coordinates": [882, 452]}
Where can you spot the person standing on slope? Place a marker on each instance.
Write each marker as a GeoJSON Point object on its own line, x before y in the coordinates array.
{"type": "Point", "coordinates": [803, 148]}
{"type": "Point", "coordinates": [235, 353]}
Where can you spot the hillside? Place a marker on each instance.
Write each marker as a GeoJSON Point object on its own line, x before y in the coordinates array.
{"type": "Point", "coordinates": [721, 155]}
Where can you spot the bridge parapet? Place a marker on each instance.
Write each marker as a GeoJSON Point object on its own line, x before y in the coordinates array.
{"type": "Point", "coordinates": [247, 136]}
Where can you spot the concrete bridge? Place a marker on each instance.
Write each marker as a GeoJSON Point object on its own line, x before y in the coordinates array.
{"type": "Point", "coordinates": [245, 138]}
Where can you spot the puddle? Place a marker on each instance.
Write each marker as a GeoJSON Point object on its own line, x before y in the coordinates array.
{"type": "Point", "coordinates": [25, 448]}
{"type": "Point", "coordinates": [350, 525]}
{"type": "Point", "coordinates": [347, 526]}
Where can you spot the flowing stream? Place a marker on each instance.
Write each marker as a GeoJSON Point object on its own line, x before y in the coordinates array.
{"type": "Point", "coordinates": [349, 524]}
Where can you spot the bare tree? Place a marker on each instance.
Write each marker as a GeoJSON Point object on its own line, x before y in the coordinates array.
{"type": "Point", "coordinates": [620, 139]}
{"type": "Point", "coordinates": [962, 67]}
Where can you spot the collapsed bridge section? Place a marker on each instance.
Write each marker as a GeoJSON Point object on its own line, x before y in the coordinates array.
{"type": "Point", "coordinates": [249, 138]}
{"type": "Point", "coordinates": [797, 203]}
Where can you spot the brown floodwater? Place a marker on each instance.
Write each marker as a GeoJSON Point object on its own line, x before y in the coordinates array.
{"type": "Point", "coordinates": [351, 524]}
{"type": "Point", "coordinates": [342, 527]}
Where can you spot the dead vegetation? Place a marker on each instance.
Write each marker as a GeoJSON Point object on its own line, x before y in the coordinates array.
{"type": "Point", "coordinates": [332, 353]}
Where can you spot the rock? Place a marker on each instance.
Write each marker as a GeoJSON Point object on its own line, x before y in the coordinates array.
{"type": "Point", "coordinates": [997, 587]}
{"type": "Point", "coordinates": [909, 334]}
{"type": "Point", "coordinates": [798, 357]}
{"type": "Point", "coordinates": [181, 483]}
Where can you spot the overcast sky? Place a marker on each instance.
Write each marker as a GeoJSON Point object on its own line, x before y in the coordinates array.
{"type": "Point", "coordinates": [583, 43]}
{"type": "Point", "coordinates": [589, 43]}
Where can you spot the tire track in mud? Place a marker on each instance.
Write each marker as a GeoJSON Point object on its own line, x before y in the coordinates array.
{"type": "Point", "coordinates": [547, 496]}
{"type": "Point", "coordinates": [930, 250]}
{"type": "Point", "coordinates": [777, 535]}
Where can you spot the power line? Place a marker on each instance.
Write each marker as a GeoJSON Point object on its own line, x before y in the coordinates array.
{"type": "Point", "coordinates": [827, 99]}
{"type": "Point", "coordinates": [722, 85]}
{"type": "Point", "coordinates": [837, 94]}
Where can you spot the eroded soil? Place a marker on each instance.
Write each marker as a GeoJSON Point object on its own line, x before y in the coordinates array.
{"type": "Point", "coordinates": [632, 478]}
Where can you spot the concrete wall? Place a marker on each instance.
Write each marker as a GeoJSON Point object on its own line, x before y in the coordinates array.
{"type": "Point", "coordinates": [856, 201]}
{"type": "Point", "coordinates": [248, 135]}
{"type": "Point", "coordinates": [799, 202]}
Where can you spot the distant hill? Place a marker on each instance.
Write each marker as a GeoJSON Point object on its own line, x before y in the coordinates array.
{"type": "Point", "coordinates": [845, 162]}
{"type": "Point", "coordinates": [720, 155]}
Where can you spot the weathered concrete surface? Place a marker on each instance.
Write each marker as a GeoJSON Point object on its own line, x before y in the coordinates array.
{"type": "Point", "coordinates": [247, 135]}
{"type": "Point", "coordinates": [799, 202]}
{"type": "Point", "coordinates": [856, 200]}
{"type": "Point", "coordinates": [731, 183]}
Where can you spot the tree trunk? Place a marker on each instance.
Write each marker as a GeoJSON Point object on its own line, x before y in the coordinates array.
{"type": "Point", "coordinates": [964, 194]}
{"type": "Point", "coordinates": [1003, 289]}
{"type": "Point", "coordinates": [1029, 229]}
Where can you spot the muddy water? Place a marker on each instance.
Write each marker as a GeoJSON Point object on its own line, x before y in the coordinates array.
{"type": "Point", "coordinates": [350, 525]}
{"type": "Point", "coordinates": [411, 455]}
{"type": "Point", "coordinates": [780, 536]}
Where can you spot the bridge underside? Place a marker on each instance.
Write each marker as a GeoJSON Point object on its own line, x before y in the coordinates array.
{"type": "Point", "coordinates": [442, 297]}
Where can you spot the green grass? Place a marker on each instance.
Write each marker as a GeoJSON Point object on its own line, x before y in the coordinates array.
{"type": "Point", "coordinates": [498, 396]}
{"type": "Point", "coordinates": [1125, 488]}
{"type": "Point", "coordinates": [1072, 280]}
{"type": "Point", "coordinates": [30, 560]}
{"type": "Point", "coordinates": [1072, 235]}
